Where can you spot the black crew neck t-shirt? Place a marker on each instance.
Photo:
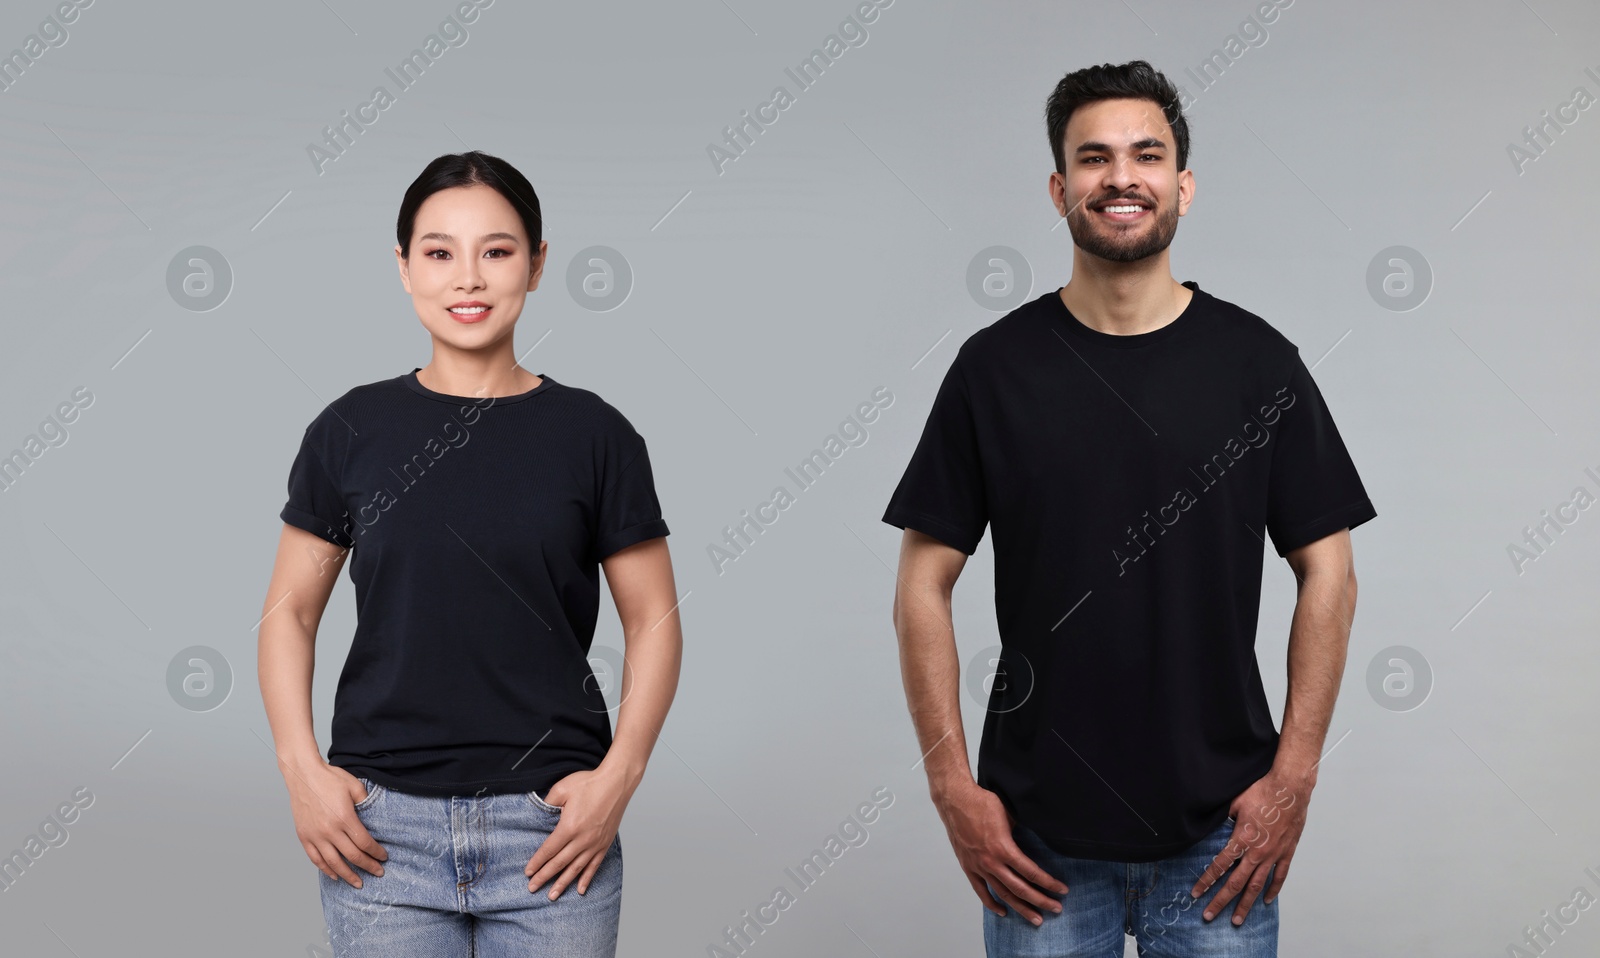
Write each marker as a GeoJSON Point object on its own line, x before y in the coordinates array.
{"type": "Point", "coordinates": [476, 528]}
{"type": "Point", "coordinates": [1130, 484]}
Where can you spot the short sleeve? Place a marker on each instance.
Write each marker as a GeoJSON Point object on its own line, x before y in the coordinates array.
{"type": "Point", "coordinates": [315, 503]}
{"type": "Point", "coordinates": [628, 510]}
{"type": "Point", "coordinates": [942, 492]}
{"type": "Point", "coordinates": [1314, 490]}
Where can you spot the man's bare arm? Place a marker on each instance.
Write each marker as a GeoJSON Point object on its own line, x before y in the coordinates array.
{"type": "Point", "coordinates": [929, 666]}
{"type": "Point", "coordinates": [1270, 815]}
{"type": "Point", "coordinates": [1319, 638]}
{"type": "Point", "coordinates": [976, 820]}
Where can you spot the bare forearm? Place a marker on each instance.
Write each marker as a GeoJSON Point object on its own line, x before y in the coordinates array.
{"type": "Point", "coordinates": [285, 659]}
{"type": "Point", "coordinates": [654, 655]}
{"type": "Point", "coordinates": [931, 672]}
{"type": "Point", "coordinates": [1319, 637]}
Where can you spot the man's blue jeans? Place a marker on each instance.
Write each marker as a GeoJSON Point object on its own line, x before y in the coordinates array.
{"type": "Point", "coordinates": [1106, 901]}
{"type": "Point", "coordinates": [453, 884]}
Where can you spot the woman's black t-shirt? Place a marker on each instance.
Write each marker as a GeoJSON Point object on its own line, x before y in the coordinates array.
{"type": "Point", "coordinates": [1130, 484]}
{"type": "Point", "coordinates": [476, 528]}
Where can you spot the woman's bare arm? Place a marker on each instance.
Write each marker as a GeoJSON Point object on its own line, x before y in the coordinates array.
{"type": "Point", "coordinates": [303, 576]}
{"type": "Point", "coordinates": [640, 577]}
{"type": "Point", "coordinates": [322, 797]}
{"type": "Point", "coordinates": [645, 593]}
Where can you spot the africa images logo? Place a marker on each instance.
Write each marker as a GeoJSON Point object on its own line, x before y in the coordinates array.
{"type": "Point", "coordinates": [1209, 475]}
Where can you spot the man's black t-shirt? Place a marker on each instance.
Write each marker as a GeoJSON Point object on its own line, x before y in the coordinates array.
{"type": "Point", "coordinates": [1129, 482]}
{"type": "Point", "coordinates": [476, 528]}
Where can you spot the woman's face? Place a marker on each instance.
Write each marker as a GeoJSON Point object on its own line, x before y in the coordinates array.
{"type": "Point", "coordinates": [469, 252]}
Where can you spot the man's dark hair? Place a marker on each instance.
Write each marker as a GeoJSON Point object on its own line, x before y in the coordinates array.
{"type": "Point", "coordinates": [1134, 80]}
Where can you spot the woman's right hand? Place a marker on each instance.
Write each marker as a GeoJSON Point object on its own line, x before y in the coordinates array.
{"type": "Point", "coordinates": [323, 798]}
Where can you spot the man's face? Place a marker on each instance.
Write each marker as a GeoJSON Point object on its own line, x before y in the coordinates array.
{"type": "Point", "coordinates": [1120, 154]}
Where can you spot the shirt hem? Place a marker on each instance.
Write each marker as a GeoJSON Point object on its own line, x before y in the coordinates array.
{"type": "Point", "coordinates": [540, 782]}
{"type": "Point", "coordinates": [1137, 854]}
{"type": "Point", "coordinates": [1140, 854]}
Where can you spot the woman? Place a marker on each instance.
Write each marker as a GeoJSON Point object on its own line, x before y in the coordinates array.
{"type": "Point", "coordinates": [472, 762]}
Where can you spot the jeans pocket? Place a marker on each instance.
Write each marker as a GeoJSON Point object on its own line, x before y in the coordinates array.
{"type": "Point", "coordinates": [541, 804]}
{"type": "Point", "coordinates": [373, 791]}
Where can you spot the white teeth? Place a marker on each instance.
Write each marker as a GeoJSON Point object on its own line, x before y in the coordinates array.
{"type": "Point", "coordinates": [467, 310]}
{"type": "Point", "coordinates": [1121, 209]}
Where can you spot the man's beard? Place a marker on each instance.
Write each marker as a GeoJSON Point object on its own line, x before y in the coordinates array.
{"type": "Point", "coordinates": [1122, 244]}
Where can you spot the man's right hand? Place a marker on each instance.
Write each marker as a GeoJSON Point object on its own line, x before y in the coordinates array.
{"type": "Point", "coordinates": [323, 798]}
{"type": "Point", "coordinates": [980, 832]}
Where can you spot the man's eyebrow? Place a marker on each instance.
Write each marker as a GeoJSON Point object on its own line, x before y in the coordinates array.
{"type": "Point", "coordinates": [1095, 146]}
{"type": "Point", "coordinates": [447, 238]}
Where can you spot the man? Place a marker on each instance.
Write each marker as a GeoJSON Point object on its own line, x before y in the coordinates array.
{"type": "Point", "coordinates": [1132, 442]}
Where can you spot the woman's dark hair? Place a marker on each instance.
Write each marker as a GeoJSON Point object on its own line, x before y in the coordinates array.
{"type": "Point", "coordinates": [473, 168]}
{"type": "Point", "coordinates": [1134, 80]}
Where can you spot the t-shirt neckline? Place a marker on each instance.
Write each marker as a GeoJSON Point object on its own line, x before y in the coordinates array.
{"type": "Point", "coordinates": [410, 379]}
{"type": "Point", "coordinates": [1183, 321]}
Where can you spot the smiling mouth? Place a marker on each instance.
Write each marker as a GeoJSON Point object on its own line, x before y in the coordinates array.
{"type": "Point", "coordinates": [1122, 212]}
{"type": "Point", "coordinates": [469, 314]}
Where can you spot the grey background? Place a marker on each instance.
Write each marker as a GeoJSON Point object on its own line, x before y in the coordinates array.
{"type": "Point", "coordinates": [829, 260]}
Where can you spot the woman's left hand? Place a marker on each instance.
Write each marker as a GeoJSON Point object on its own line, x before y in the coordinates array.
{"type": "Point", "coordinates": [591, 803]}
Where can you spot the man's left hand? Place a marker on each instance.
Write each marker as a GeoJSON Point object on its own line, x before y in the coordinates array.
{"type": "Point", "coordinates": [1268, 818]}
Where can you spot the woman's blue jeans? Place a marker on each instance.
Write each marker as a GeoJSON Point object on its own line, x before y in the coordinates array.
{"type": "Point", "coordinates": [1107, 901]}
{"type": "Point", "coordinates": [453, 884]}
